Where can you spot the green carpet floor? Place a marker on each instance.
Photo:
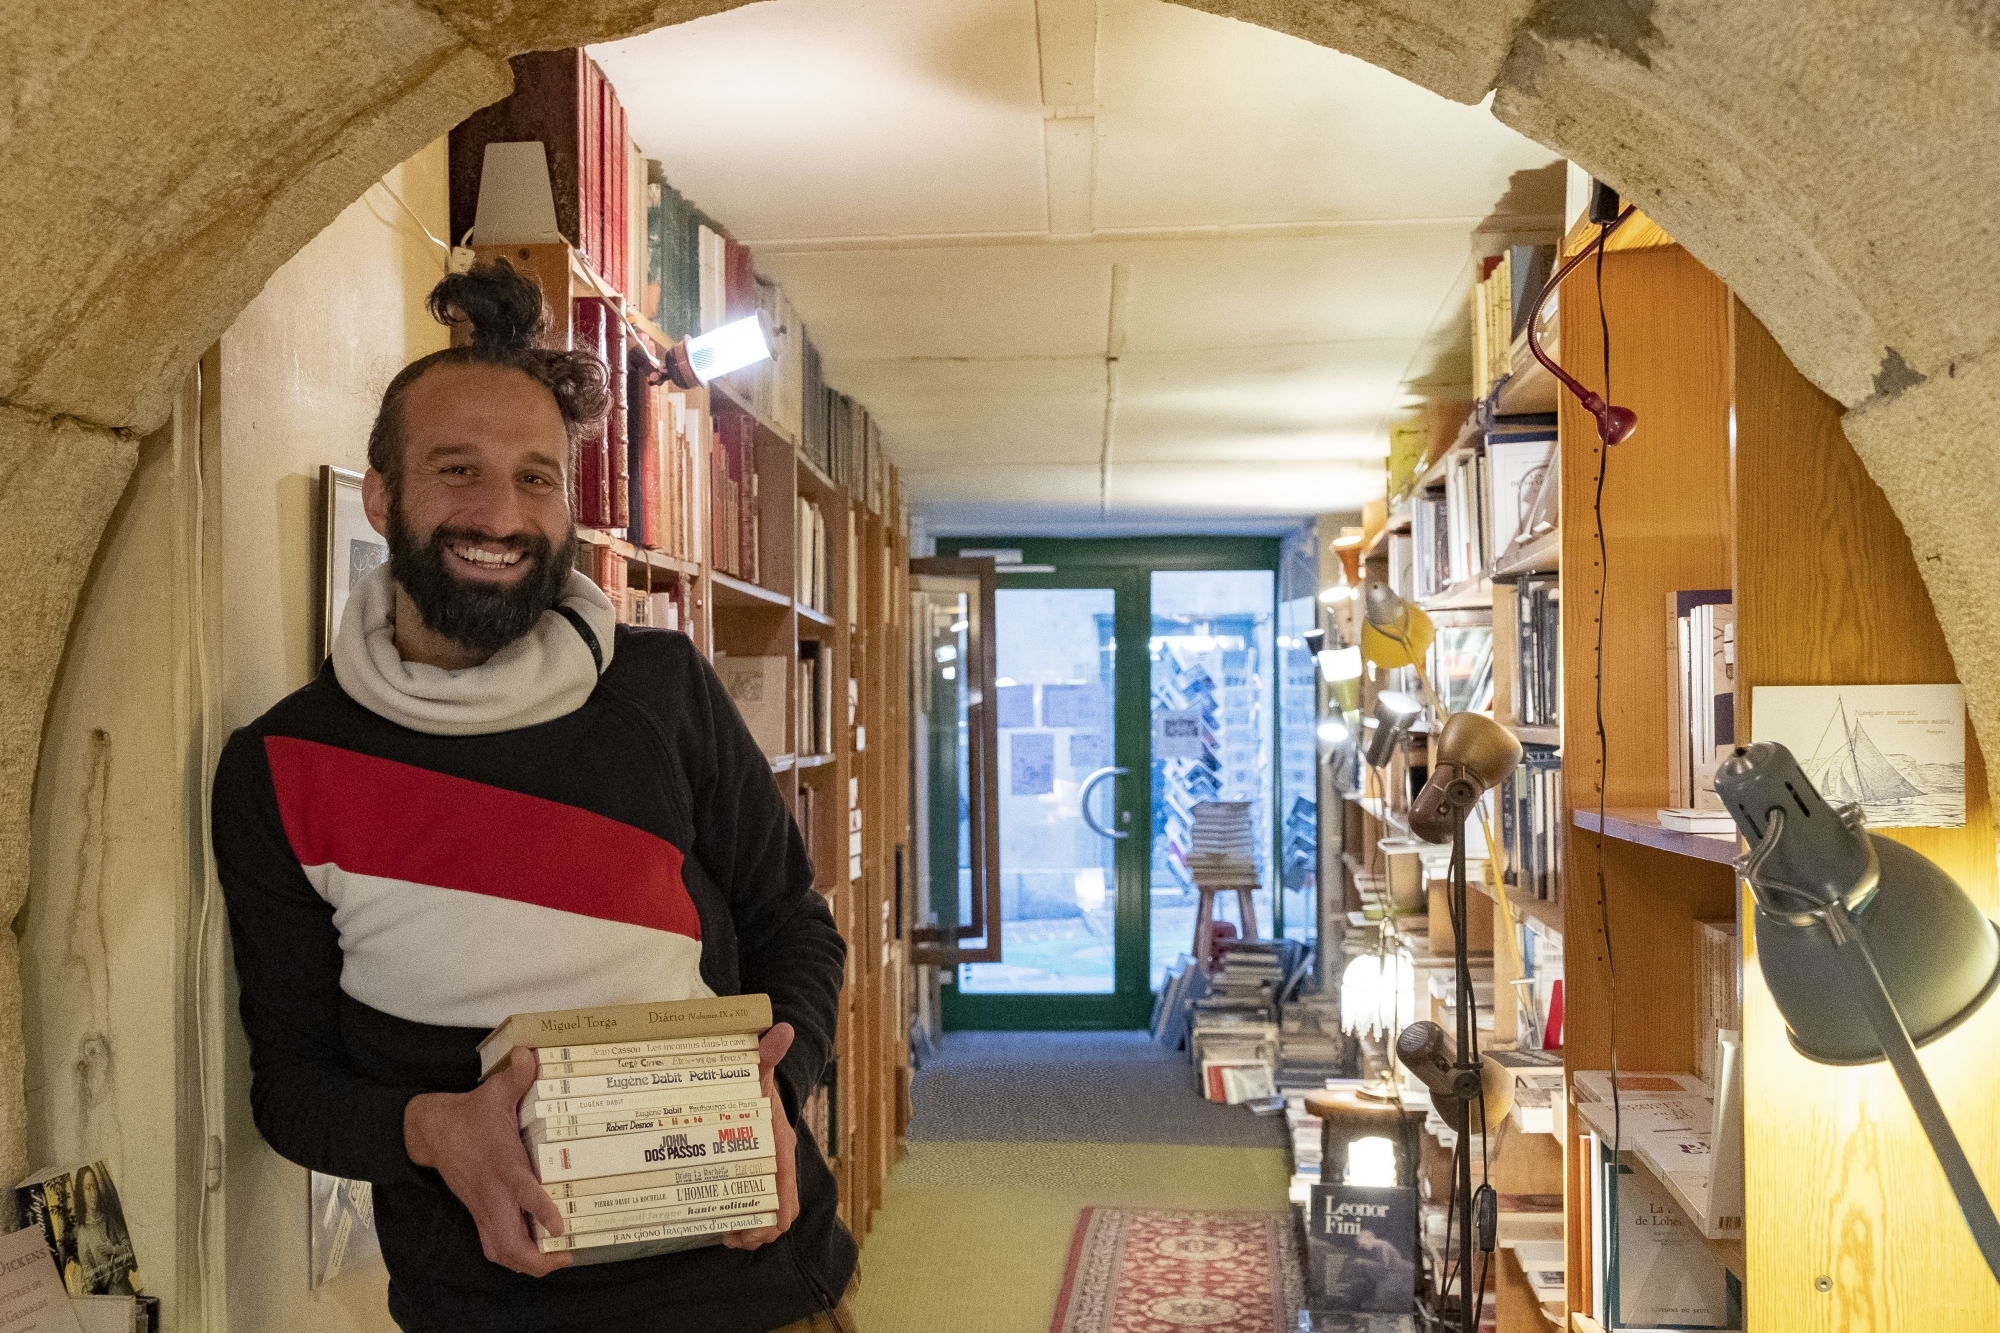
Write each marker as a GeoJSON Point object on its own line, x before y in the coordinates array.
{"type": "Point", "coordinates": [972, 1236]}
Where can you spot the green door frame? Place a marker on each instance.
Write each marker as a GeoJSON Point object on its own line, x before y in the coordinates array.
{"type": "Point", "coordinates": [1125, 565]}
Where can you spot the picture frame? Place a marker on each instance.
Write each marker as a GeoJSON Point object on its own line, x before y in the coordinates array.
{"type": "Point", "coordinates": [348, 548]}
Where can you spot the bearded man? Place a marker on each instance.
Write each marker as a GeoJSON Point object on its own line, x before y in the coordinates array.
{"type": "Point", "coordinates": [493, 800]}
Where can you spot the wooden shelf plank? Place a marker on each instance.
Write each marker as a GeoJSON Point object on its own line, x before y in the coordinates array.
{"type": "Point", "coordinates": [1543, 555]}
{"type": "Point", "coordinates": [819, 618]}
{"type": "Point", "coordinates": [732, 591]}
{"type": "Point", "coordinates": [1529, 387]}
{"type": "Point", "coordinates": [813, 760]}
{"type": "Point", "coordinates": [1643, 827]}
{"type": "Point", "coordinates": [1535, 735]}
{"type": "Point", "coordinates": [1474, 594]}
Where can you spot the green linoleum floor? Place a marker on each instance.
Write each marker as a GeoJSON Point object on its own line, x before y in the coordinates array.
{"type": "Point", "coordinates": [972, 1236]}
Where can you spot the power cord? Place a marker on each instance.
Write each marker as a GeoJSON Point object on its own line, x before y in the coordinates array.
{"type": "Point", "coordinates": [1603, 785]}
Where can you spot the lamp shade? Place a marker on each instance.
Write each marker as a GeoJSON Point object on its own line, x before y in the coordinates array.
{"type": "Point", "coordinates": [1936, 953]}
{"type": "Point", "coordinates": [1394, 714]}
{"type": "Point", "coordinates": [1473, 753]}
{"type": "Point", "coordinates": [1393, 632]}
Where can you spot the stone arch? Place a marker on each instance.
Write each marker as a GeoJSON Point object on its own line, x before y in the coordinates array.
{"type": "Point", "coordinates": [1836, 171]}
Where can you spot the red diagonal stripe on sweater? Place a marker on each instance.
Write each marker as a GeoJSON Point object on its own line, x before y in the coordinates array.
{"type": "Point", "coordinates": [377, 817]}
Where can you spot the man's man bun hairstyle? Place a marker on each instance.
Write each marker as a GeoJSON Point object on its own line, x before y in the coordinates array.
{"type": "Point", "coordinates": [506, 320]}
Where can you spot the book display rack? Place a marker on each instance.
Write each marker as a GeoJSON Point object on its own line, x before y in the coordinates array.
{"type": "Point", "coordinates": [757, 515]}
{"type": "Point", "coordinates": [1739, 483]}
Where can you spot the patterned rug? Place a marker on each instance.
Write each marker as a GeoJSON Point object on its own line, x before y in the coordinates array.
{"type": "Point", "coordinates": [1141, 1270]}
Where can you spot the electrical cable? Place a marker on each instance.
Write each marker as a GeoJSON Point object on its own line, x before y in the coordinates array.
{"type": "Point", "coordinates": [428, 233]}
{"type": "Point", "coordinates": [1604, 777]}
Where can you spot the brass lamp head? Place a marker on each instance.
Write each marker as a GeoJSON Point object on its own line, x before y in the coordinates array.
{"type": "Point", "coordinates": [1472, 754]}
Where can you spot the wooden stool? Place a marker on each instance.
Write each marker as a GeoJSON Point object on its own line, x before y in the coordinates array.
{"type": "Point", "coordinates": [1204, 918]}
{"type": "Point", "coordinates": [1345, 1116]}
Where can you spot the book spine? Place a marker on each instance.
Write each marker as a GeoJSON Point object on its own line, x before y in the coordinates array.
{"type": "Point", "coordinates": [618, 1050]}
{"type": "Point", "coordinates": [634, 1063]}
{"type": "Point", "coordinates": [581, 1110]}
{"type": "Point", "coordinates": [588, 1128]}
{"type": "Point", "coordinates": [665, 1231]}
{"type": "Point", "coordinates": [618, 1154]}
{"type": "Point", "coordinates": [667, 1196]}
{"type": "Point", "coordinates": [594, 1085]}
{"type": "Point", "coordinates": [766, 1202]}
{"type": "Point", "coordinates": [665, 1020]}
{"type": "Point", "coordinates": [667, 1214]}
{"type": "Point", "coordinates": [591, 1187]}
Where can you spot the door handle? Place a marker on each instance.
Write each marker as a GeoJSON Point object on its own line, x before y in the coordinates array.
{"type": "Point", "coordinates": [1083, 801]}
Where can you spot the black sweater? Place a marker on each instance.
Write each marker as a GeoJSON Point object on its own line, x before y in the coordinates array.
{"type": "Point", "coordinates": [392, 895]}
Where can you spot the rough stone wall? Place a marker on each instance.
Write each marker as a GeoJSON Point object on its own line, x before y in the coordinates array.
{"type": "Point", "coordinates": [1835, 165]}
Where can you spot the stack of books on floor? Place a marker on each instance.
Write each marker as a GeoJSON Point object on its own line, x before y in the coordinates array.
{"type": "Point", "coordinates": [1222, 851]}
{"type": "Point", "coordinates": [647, 1123]}
{"type": "Point", "coordinates": [1234, 1048]}
{"type": "Point", "coordinates": [1312, 1050]}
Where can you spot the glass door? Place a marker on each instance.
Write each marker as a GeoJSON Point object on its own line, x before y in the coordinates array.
{"type": "Point", "coordinates": [1071, 794]}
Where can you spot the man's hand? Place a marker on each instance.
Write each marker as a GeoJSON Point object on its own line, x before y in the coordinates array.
{"type": "Point", "coordinates": [771, 1049]}
{"type": "Point", "coordinates": [473, 1139]}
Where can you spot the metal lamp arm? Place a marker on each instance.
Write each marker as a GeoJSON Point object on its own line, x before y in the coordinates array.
{"type": "Point", "coordinates": [1902, 1054]}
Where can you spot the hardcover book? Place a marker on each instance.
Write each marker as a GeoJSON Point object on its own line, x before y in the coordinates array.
{"type": "Point", "coordinates": [1361, 1248]}
{"type": "Point", "coordinates": [83, 1224]}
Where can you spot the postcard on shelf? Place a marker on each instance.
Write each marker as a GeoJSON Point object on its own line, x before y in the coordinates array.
{"type": "Point", "coordinates": [1898, 750]}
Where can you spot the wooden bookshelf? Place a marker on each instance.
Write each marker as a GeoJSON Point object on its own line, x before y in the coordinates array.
{"type": "Point", "coordinates": [866, 773]}
{"type": "Point", "coordinates": [1739, 477]}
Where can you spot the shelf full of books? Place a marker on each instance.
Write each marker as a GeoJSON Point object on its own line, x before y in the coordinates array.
{"type": "Point", "coordinates": [759, 515]}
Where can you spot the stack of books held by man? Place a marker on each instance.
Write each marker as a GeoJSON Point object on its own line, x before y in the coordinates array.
{"type": "Point", "coordinates": [647, 1123]}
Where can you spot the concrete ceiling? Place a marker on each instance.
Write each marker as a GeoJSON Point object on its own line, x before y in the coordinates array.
{"type": "Point", "coordinates": [1096, 266]}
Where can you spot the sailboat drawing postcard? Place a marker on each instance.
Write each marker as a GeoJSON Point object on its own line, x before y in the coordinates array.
{"type": "Point", "coordinates": [1898, 750]}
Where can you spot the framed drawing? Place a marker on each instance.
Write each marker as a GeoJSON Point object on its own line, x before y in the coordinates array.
{"type": "Point", "coordinates": [349, 547]}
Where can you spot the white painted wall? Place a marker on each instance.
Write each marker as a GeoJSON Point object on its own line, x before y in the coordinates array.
{"type": "Point", "coordinates": [117, 847]}
{"type": "Point", "coordinates": [302, 371]}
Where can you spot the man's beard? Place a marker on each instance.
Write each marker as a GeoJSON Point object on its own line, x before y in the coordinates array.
{"type": "Point", "coordinates": [477, 616]}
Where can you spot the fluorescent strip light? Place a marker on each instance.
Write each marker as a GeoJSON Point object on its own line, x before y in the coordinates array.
{"type": "Point", "coordinates": [731, 347]}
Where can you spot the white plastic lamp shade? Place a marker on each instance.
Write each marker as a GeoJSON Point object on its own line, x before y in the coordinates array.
{"type": "Point", "coordinates": [731, 347]}
{"type": "Point", "coordinates": [1336, 593]}
{"type": "Point", "coordinates": [1333, 733]}
{"type": "Point", "coordinates": [1338, 664]}
{"type": "Point", "coordinates": [1376, 995]}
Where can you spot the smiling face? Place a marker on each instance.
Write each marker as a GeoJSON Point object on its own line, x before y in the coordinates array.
{"type": "Point", "coordinates": [480, 537]}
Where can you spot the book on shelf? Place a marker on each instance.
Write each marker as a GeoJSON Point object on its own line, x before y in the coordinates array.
{"type": "Point", "coordinates": [1519, 452]}
{"type": "Point", "coordinates": [814, 574]}
{"type": "Point", "coordinates": [1702, 700]}
{"type": "Point", "coordinates": [636, 1182]}
{"type": "Point", "coordinates": [758, 688]}
{"type": "Point", "coordinates": [1658, 1272]}
{"type": "Point", "coordinates": [78, 1215]}
{"type": "Point", "coordinates": [1531, 823]}
{"type": "Point", "coordinates": [1502, 305]}
{"type": "Point", "coordinates": [1696, 821]}
{"type": "Point", "coordinates": [814, 705]}
{"type": "Point", "coordinates": [1718, 968]}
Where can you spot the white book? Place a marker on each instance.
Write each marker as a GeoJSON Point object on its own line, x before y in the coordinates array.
{"type": "Point", "coordinates": [1594, 1085]}
{"type": "Point", "coordinates": [666, 1231]}
{"type": "Point", "coordinates": [646, 1080]}
{"type": "Point", "coordinates": [618, 1050]}
{"type": "Point", "coordinates": [590, 1187]}
{"type": "Point", "coordinates": [619, 1154]}
{"type": "Point", "coordinates": [766, 1202]}
{"type": "Point", "coordinates": [581, 1110]}
{"type": "Point", "coordinates": [544, 1132]}
{"type": "Point", "coordinates": [1685, 820]}
{"type": "Point", "coordinates": [662, 1196]}
{"type": "Point", "coordinates": [1665, 1273]}
{"type": "Point", "coordinates": [547, 1068]}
